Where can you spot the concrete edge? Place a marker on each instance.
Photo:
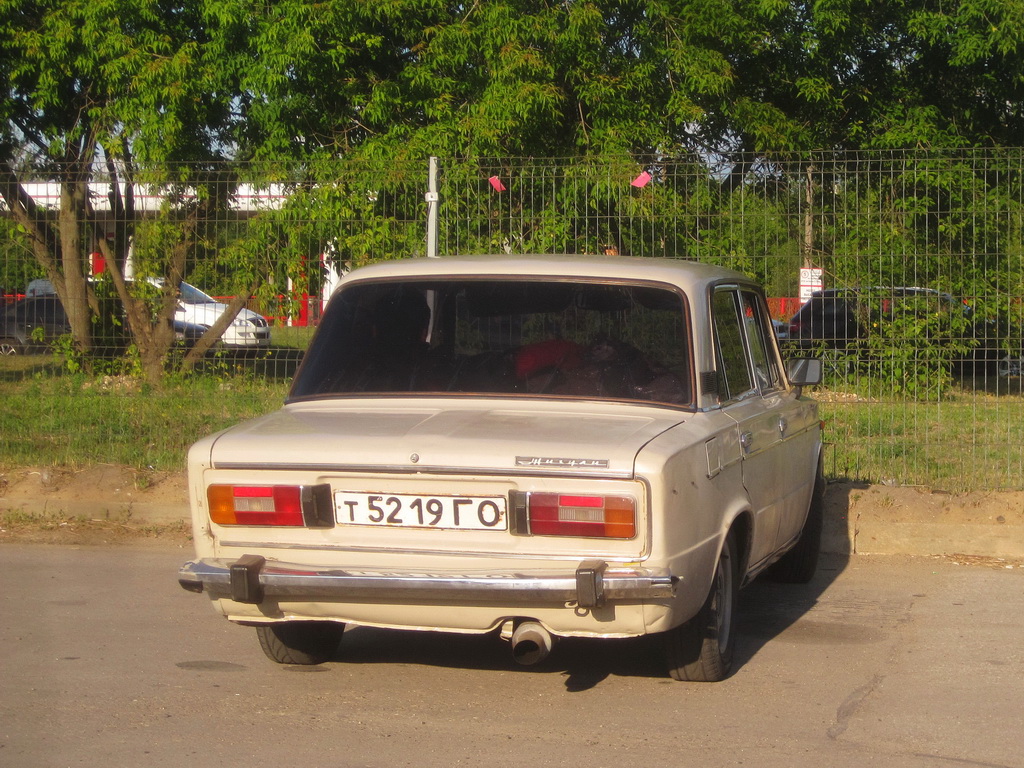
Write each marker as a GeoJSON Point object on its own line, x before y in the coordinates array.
{"type": "Point", "coordinates": [135, 512]}
{"type": "Point", "coordinates": [852, 529]}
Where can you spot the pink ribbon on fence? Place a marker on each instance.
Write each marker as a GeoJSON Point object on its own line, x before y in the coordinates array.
{"type": "Point", "coordinates": [641, 181]}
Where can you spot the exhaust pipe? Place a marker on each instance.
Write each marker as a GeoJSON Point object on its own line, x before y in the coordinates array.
{"type": "Point", "coordinates": [531, 643]}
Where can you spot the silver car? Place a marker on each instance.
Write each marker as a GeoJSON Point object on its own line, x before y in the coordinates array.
{"type": "Point", "coordinates": [536, 446]}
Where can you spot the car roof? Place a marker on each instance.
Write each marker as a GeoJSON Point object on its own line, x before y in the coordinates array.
{"type": "Point", "coordinates": [894, 290]}
{"type": "Point", "coordinates": [688, 275]}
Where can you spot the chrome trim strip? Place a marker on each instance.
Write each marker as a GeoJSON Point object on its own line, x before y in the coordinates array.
{"type": "Point", "coordinates": [300, 582]}
{"type": "Point", "coordinates": [810, 427]}
{"type": "Point", "coordinates": [263, 546]}
{"type": "Point", "coordinates": [406, 469]}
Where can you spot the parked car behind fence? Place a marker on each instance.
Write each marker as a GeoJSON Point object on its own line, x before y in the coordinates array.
{"type": "Point", "coordinates": [249, 330]}
{"type": "Point", "coordinates": [31, 324]}
{"type": "Point", "coordinates": [932, 325]}
{"type": "Point", "coordinates": [195, 312]}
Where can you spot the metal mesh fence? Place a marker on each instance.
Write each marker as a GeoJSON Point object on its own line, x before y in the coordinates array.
{"type": "Point", "coordinates": [904, 270]}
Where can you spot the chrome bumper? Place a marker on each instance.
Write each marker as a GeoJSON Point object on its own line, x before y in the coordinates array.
{"type": "Point", "coordinates": [251, 579]}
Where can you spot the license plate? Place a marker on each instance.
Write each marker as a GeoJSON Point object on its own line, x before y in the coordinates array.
{"type": "Point", "coordinates": [474, 513]}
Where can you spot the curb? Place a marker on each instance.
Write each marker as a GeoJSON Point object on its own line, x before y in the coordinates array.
{"type": "Point", "coordinates": [137, 512]}
{"type": "Point", "coordinates": [881, 520]}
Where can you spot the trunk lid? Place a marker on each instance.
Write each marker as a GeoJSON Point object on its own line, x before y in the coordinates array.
{"type": "Point", "coordinates": [567, 438]}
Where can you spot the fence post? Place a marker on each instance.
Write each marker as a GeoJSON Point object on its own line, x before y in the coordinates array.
{"type": "Point", "coordinates": [431, 198]}
{"type": "Point", "coordinates": [807, 244]}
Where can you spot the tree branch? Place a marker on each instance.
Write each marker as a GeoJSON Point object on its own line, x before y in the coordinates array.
{"type": "Point", "coordinates": [45, 245]}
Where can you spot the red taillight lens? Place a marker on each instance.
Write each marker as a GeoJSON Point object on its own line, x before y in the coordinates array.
{"type": "Point", "coordinates": [255, 504]}
{"type": "Point", "coordinates": [610, 517]}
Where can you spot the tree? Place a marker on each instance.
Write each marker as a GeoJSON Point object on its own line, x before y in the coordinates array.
{"type": "Point", "coordinates": [93, 88]}
{"type": "Point", "coordinates": [501, 77]}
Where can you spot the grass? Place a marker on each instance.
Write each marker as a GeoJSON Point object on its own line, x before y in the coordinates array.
{"type": "Point", "coordinates": [74, 422]}
{"type": "Point", "coordinates": [971, 439]}
{"type": "Point", "coordinates": [291, 337]}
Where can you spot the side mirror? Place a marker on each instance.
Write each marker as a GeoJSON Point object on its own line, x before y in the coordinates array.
{"type": "Point", "coordinates": [804, 372]}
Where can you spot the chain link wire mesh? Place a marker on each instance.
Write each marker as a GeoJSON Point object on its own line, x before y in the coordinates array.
{"type": "Point", "coordinates": [917, 259]}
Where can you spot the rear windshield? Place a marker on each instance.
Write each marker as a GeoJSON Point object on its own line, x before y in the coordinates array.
{"type": "Point", "coordinates": [529, 337]}
{"type": "Point", "coordinates": [192, 295]}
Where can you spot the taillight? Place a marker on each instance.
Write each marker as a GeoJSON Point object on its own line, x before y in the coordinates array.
{"type": "Point", "coordinates": [553, 514]}
{"type": "Point", "coordinates": [295, 505]}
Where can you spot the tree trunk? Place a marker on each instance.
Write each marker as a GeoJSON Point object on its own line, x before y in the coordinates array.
{"type": "Point", "coordinates": [75, 297]}
{"type": "Point", "coordinates": [217, 329]}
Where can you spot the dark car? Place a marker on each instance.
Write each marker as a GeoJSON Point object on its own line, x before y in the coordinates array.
{"type": "Point", "coordinates": [836, 317]}
{"type": "Point", "coordinates": [845, 318]}
{"type": "Point", "coordinates": [31, 324]}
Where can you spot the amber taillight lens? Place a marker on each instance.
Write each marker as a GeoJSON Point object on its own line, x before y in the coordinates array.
{"type": "Point", "coordinates": [256, 504]}
{"type": "Point", "coordinates": [553, 514]}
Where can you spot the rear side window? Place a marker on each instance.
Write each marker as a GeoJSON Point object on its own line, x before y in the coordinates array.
{"type": "Point", "coordinates": [762, 351]}
{"type": "Point", "coordinates": [734, 379]}
{"type": "Point", "coordinates": [747, 359]}
{"type": "Point", "coordinates": [530, 337]}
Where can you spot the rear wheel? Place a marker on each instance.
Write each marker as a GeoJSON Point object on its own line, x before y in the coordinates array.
{"type": "Point", "coordinates": [799, 564]}
{"type": "Point", "coordinates": [10, 347]}
{"type": "Point", "coordinates": [701, 650]}
{"type": "Point", "coordinates": [300, 642]}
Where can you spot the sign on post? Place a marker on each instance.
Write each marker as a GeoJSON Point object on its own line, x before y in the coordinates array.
{"type": "Point", "coordinates": [811, 279]}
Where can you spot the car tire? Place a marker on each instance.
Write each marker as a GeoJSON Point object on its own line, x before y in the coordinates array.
{"type": "Point", "coordinates": [300, 642]}
{"type": "Point", "coordinates": [1010, 366]}
{"type": "Point", "coordinates": [701, 650]}
{"type": "Point", "coordinates": [799, 565]}
{"type": "Point", "coordinates": [9, 347]}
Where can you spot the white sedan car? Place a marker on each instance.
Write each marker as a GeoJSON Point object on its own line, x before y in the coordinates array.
{"type": "Point", "coordinates": [198, 311]}
{"type": "Point", "coordinates": [535, 446]}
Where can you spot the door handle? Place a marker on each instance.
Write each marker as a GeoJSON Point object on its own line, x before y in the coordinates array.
{"type": "Point", "coordinates": [746, 440]}
{"type": "Point", "coordinates": [782, 425]}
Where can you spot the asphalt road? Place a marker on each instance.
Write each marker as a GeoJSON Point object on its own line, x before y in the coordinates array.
{"type": "Point", "coordinates": [886, 661]}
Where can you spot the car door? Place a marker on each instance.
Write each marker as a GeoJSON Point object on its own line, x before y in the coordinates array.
{"type": "Point", "coordinates": [753, 395]}
{"type": "Point", "coordinates": [796, 420]}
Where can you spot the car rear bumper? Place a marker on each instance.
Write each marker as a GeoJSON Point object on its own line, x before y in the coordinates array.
{"type": "Point", "coordinates": [251, 579]}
